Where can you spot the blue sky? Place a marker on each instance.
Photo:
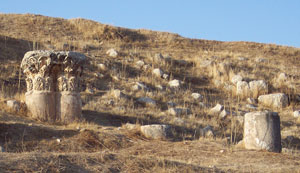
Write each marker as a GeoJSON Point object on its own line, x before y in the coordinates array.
{"type": "Point", "coordinates": [265, 21]}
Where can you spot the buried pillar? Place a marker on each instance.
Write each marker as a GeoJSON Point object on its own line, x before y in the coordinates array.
{"type": "Point", "coordinates": [53, 85]}
{"type": "Point", "coordinates": [262, 131]}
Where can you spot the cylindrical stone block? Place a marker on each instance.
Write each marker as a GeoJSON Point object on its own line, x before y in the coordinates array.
{"type": "Point", "coordinates": [68, 106]}
{"type": "Point", "coordinates": [41, 104]}
{"type": "Point", "coordinates": [262, 131]}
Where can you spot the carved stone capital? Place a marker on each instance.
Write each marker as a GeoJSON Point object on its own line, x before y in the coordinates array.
{"type": "Point", "coordinates": [54, 73]}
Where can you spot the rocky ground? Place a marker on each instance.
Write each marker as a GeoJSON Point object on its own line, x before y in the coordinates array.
{"type": "Point", "coordinates": [194, 93]}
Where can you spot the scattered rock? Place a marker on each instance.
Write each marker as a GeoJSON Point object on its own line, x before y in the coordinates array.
{"type": "Point", "coordinates": [216, 110]}
{"type": "Point", "coordinates": [158, 72]}
{"type": "Point", "coordinates": [112, 53]}
{"type": "Point", "coordinates": [223, 114]}
{"type": "Point", "coordinates": [258, 88]}
{"type": "Point", "coordinates": [140, 64]}
{"type": "Point", "coordinates": [130, 126]}
{"type": "Point", "coordinates": [276, 101]}
{"type": "Point", "coordinates": [261, 60]}
{"type": "Point", "coordinates": [262, 131]}
{"type": "Point", "coordinates": [102, 67]}
{"type": "Point", "coordinates": [197, 96]}
{"type": "Point", "coordinates": [165, 76]}
{"type": "Point", "coordinates": [175, 83]}
{"type": "Point", "coordinates": [147, 101]}
{"type": "Point", "coordinates": [242, 59]}
{"type": "Point", "coordinates": [146, 67]}
{"type": "Point", "coordinates": [98, 75]}
{"type": "Point", "coordinates": [235, 79]}
{"type": "Point", "coordinates": [296, 114]}
{"type": "Point", "coordinates": [58, 140]}
{"type": "Point", "coordinates": [242, 89]}
{"type": "Point", "coordinates": [139, 86]}
{"type": "Point", "coordinates": [156, 131]}
{"type": "Point", "coordinates": [207, 132]}
{"type": "Point", "coordinates": [159, 87]}
{"type": "Point", "coordinates": [179, 111]}
{"type": "Point", "coordinates": [13, 104]}
{"type": "Point", "coordinates": [118, 94]}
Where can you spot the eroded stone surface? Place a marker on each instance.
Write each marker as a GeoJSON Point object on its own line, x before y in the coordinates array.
{"type": "Point", "coordinates": [53, 84]}
{"type": "Point", "coordinates": [262, 131]}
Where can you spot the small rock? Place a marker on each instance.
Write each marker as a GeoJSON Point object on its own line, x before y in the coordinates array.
{"type": "Point", "coordinates": [235, 79]}
{"type": "Point", "coordinates": [112, 53]}
{"type": "Point", "coordinates": [174, 83]}
{"type": "Point", "coordinates": [257, 88]}
{"type": "Point", "coordinates": [179, 111]}
{"type": "Point", "coordinates": [242, 59]}
{"type": "Point", "coordinates": [140, 63]}
{"type": "Point", "coordinates": [146, 100]}
{"type": "Point", "coordinates": [158, 72]}
{"type": "Point", "coordinates": [139, 86]}
{"type": "Point", "coordinates": [197, 96]}
{"type": "Point", "coordinates": [117, 94]}
{"type": "Point", "coordinates": [242, 89]}
{"type": "Point", "coordinates": [130, 126]}
{"type": "Point", "coordinates": [146, 67]}
{"type": "Point", "coordinates": [261, 60]}
{"type": "Point", "coordinates": [223, 114]}
{"type": "Point", "coordinates": [159, 87]}
{"type": "Point", "coordinates": [276, 101]}
{"type": "Point", "coordinates": [296, 114]}
{"type": "Point", "coordinates": [216, 110]}
{"type": "Point", "coordinates": [156, 131]}
{"type": "Point", "coordinates": [98, 75]}
{"type": "Point", "coordinates": [207, 132]}
{"type": "Point", "coordinates": [13, 104]}
{"type": "Point", "coordinates": [58, 140]}
{"type": "Point", "coordinates": [102, 67]}
{"type": "Point", "coordinates": [165, 76]}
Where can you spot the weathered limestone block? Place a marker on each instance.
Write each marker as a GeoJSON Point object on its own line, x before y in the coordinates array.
{"type": "Point", "coordinates": [262, 131]}
{"type": "Point", "coordinates": [53, 84]}
{"type": "Point", "coordinates": [41, 104]}
{"type": "Point", "coordinates": [276, 100]}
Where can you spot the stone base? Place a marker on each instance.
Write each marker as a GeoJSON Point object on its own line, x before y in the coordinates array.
{"type": "Point", "coordinates": [68, 106]}
{"type": "Point", "coordinates": [41, 104]}
{"type": "Point", "coordinates": [262, 131]}
{"type": "Point", "coordinates": [47, 106]}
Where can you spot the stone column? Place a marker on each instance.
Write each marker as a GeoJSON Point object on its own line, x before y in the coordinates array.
{"type": "Point", "coordinates": [262, 131]}
{"type": "Point", "coordinates": [53, 85]}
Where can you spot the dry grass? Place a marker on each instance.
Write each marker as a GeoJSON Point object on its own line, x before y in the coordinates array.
{"type": "Point", "coordinates": [100, 142]}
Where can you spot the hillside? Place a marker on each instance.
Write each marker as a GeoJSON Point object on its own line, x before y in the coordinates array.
{"type": "Point", "coordinates": [103, 142]}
